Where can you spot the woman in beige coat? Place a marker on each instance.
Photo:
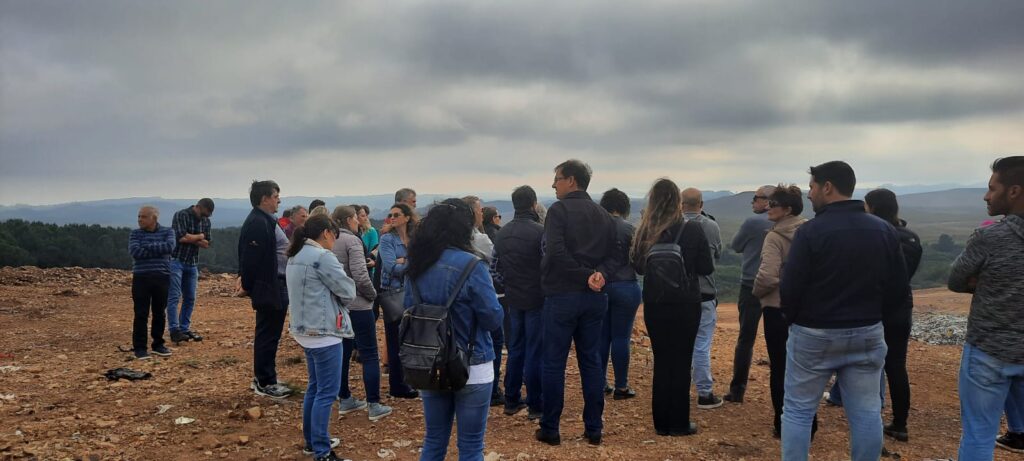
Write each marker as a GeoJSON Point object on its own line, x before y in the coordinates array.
{"type": "Point", "coordinates": [785, 206]}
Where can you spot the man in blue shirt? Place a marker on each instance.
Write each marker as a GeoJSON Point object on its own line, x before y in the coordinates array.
{"type": "Point", "coordinates": [150, 246]}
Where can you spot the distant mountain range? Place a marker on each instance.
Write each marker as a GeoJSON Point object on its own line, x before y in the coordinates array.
{"type": "Point", "coordinates": [953, 211]}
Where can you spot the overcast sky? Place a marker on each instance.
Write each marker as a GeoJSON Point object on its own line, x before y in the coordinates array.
{"type": "Point", "coordinates": [102, 99]}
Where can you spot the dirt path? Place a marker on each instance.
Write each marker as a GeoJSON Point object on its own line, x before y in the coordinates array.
{"type": "Point", "coordinates": [62, 329]}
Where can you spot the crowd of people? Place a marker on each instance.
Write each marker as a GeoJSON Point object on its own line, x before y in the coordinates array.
{"type": "Point", "coordinates": [834, 293]}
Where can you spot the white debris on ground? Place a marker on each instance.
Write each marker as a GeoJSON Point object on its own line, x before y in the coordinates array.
{"type": "Point", "coordinates": [939, 329]}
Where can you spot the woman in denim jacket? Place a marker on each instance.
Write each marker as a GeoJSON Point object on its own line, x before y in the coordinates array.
{"type": "Point", "coordinates": [317, 289]}
{"type": "Point", "coordinates": [438, 255]}
{"type": "Point", "coordinates": [393, 258]}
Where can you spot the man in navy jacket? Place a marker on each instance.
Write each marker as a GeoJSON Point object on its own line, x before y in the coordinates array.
{"type": "Point", "coordinates": [261, 265]}
{"type": "Point", "coordinates": [845, 269]}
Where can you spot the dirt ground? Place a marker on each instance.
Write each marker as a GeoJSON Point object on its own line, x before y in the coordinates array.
{"type": "Point", "coordinates": [62, 328]}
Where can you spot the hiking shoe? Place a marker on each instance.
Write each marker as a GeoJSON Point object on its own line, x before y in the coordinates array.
{"type": "Point", "coordinates": [593, 438]}
{"type": "Point", "coordinates": [162, 351]}
{"type": "Point", "coordinates": [378, 411]}
{"type": "Point", "coordinates": [608, 389]}
{"type": "Point", "coordinates": [548, 438]}
{"type": "Point", "coordinates": [330, 457]}
{"type": "Point", "coordinates": [497, 399]}
{"type": "Point", "coordinates": [142, 355]}
{"type": "Point", "coordinates": [623, 394]}
{"type": "Point", "coordinates": [274, 391]}
{"type": "Point", "coordinates": [346, 406]}
{"type": "Point", "coordinates": [734, 398]}
{"type": "Point", "coordinates": [513, 409]}
{"type": "Point", "coordinates": [178, 337]}
{"type": "Point", "coordinates": [534, 415]}
{"type": "Point", "coordinates": [707, 402]}
{"type": "Point", "coordinates": [191, 335]}
{"type": "Point", "coordinates": [308, 450]}
{"type": "Point", "coordinates": [898, 433]}
{"type": "Point", "coordinates": [1012, 441]}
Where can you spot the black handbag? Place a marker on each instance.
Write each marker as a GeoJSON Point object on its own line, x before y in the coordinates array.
{"type": "Point", "coordinates": [392, 302]}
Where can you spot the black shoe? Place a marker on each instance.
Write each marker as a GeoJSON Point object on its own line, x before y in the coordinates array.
{"type": "Point", "coordinates": [276, 391]}
{"type": "Point", "coordinates": [550, 439]}
{"type": "Point", "coordinates": [623, 394]}
{"type": "Point", "coordinates": [608, 389]}
{"type": "Point", "coordinates": [534, 415]}
{"type": "Point", "coordinates": [593, 438]}
{"type": "Point", "coordinates": [776, 432]}
{"type": "Point", "coordinates": [898, 433]}
{"type": "Point", "coordinates": [708, 402]}
{"type": "Point", "coordinates": [1012, 441]}
{"type": "Point", "coordinates": [512, 410]}
{"type": "Point", "coordinates": [192, 336]}
{"type": "Point", "coordinates": [178, 337]}
{"type": "Point", "coordinates": [692, 429]}
{"type": "Point", "coordinates": [734, 398]}
{"type": "Point", "coordinates": [330, 456]}
{"type": "Point", "coordinates": [162, 351]}
{"type": "Point", "coordinates": [334, 443]}
{"type": "Point", "coordinates": [412, 394]}
{"type": "Point", "coordinates": [497, 400]}
{"type": "Point", "coordinates": [142, 355]}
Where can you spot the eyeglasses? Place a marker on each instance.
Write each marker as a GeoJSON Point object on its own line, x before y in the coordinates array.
{"type": "Point", "coordinates": [758, 197]}
{"type": "Point", "coordinates": [498, 216]}
{"type": "Point", "coordinates": [395, 215]}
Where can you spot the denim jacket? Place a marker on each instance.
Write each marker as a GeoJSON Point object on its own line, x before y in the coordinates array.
{"type": "Point", "coordinates": [317, 289]}
{"type": "Point", "coordinates": [392, 248]}
{"type": "Point", "coordinates": [476, 304]}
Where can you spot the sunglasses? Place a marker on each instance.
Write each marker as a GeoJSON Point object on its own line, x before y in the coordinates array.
{"type": "Point", "coordinates": [773, 204]}
{"type": "Point", "coordinates": [395, 215]}
{"type": "Point", "coordinates": [758, 197]}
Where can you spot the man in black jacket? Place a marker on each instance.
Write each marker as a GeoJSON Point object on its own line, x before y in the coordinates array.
{"type": "Point", "coordinates": [261, 268]}
{"type": "Point", "coordinates": [516, 267]}
{"type": "Point", "coordinates": [845, 271]}
{"type": "Point", "coordinates": [579, 243]}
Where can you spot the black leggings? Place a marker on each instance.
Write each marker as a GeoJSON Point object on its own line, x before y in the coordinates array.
{"type": "Point", "coordinates": [673, 330]}
{"type": "Point", "coordinates": [776, 334]}
{"type": "Point", "coordinates": [897, 335]}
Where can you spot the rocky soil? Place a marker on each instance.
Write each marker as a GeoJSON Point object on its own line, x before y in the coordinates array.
{"type": "Point", "coordinates": [63, 328]}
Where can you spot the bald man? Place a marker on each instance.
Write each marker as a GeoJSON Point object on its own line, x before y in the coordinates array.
{"type": "Point", "coordinates": [748, 241]}
{"type": "Point", "coordinates": [693, 210]}
{"type": "Point", "coordinates": [150, 246]}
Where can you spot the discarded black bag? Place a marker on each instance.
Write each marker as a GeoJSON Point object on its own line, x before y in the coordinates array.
{"type": "Point", "coordinates": [127, 373]}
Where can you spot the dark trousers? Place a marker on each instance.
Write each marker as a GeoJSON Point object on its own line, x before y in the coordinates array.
{"type": "Point", "coordinates": [149, 292]}
{"type": "Point", "coordinates": [396, 377]}
{"type": "Point", "coordinates": [623, 300]}
{"type": "Point", "coordinates": [750, 317]}
{"type": "Point", "coordinates": [673, 331]}
{"type": "Point", "coordinates": [269, 324]}
{"type": "Point", "coordinates": [573, 318]}
{"type": "Point", "coordinates": [498, 338]}
{"type": "Point", "coordinates": [776, 334]}
{"type": "Point", "coordinates": [525, 353]}
{"type": "Point", "coordinates": [365, 328]}
{"type": "Point", "coordinates": [897, 334]}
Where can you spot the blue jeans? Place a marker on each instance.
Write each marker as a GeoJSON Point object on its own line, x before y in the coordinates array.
{"type": "Point", "coordinates": [525, 353]}
{"type": "Point", "coordinates": [812, 356]}
{"type": "Point", "coordinates": [365, 327]}
{"type": "Point", "coordinates": [184, 279]}
{"type": "Point", "coordinates": [469, 407]}
{"type": "Point", "coordinates": [324, 366]}
{"type": "Point", "coordinates": [623, 301]}
{"type": "Point", "coordinates": [835, 393]}
{"type": "Point", "coordinates": [1014, 410]}
{"type": "Point", "coordinates": [569, 318]}
{"type": "Point", "coordinates": [985, 382]}
{"type": "Point", "coordinates": [702, 348]}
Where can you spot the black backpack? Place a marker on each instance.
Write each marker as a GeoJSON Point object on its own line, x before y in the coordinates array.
{"type": "Point", "coordinates": [431, 357]}
{"type": "Point", "coordinates": [665, 277]}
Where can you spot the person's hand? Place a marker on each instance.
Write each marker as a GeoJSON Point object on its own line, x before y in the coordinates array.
{"type": "Point", "coordinates": [371, 263]}
{"type": "Point", "coordinates": [386, 227]}
{"type": "Point", "coordinates": [239, 291]}
{"type": "Point", "coordinates": [400, 261]}
{"type": "Point", "coordinates": [203, 243]}
{"type": "Point", "coordinates": [596, 281]}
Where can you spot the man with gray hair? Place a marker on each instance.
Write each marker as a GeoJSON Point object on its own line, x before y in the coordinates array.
{"type": "Point", "coordinates": [693, 210]}
{"type": "Point", "coordinates": [150, 246]}
{"type": "Point", "coordinates": [748, 241]}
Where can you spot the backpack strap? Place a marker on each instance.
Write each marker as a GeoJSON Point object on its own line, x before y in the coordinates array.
{"type": "Point", "coordinates": [679, 234]}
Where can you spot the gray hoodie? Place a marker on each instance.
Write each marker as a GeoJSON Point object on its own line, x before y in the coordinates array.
{"type": "Point", "coordinates": [994, 256]}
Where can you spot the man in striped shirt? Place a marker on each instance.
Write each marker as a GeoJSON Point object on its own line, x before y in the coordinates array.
{"type": "Point", "coordinates": [150, 246]}
{"type": "Point", "coordinates": [191, 232]}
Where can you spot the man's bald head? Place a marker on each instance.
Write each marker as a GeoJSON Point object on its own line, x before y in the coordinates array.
{"type": "Point", "coordinates": [759, 204]}
{"type": "Point", "coordinates": [692, 198]}
{"type": "Point", "coordinates": [148, 215]}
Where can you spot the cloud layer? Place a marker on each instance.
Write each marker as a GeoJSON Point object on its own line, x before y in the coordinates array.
{"type": "Point", "coordinates": [181, 99]}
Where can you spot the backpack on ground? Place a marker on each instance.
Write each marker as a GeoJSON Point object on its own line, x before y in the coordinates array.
{"type": "Point", "coordinates": [665, 277]}
{"type": "Point", "coordinates": [431, 358]}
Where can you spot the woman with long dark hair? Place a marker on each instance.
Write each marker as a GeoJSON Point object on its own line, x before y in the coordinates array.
{"type": "Point", "coordinates": [394, 264]}
{"type": "Point", "coordinates": [624, 296]}
{"type": "Point", "coordinates": [317, 290]}
{"type": "Point", "coordinates": [438, 254]}
{"type": "Point", "coordinates": [349, 250]}
{"type": "Point", "coordinates": [672, 317]}
{"type": "Point", "coordinates": [492, 222]}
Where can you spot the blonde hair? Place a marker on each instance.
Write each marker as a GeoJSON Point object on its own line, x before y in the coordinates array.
{"type": "Point", "coordinates": [661, 212]}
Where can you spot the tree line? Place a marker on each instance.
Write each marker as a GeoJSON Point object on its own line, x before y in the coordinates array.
{"type": "Point", "coordinates": [24, 243]}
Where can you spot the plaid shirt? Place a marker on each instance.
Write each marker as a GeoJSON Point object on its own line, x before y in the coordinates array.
{"type": "Point", "coordinates": [186, 222]}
